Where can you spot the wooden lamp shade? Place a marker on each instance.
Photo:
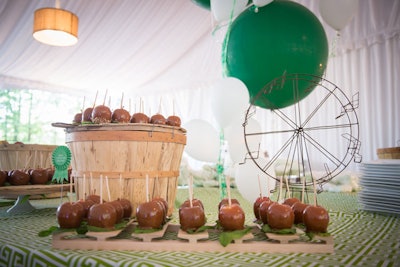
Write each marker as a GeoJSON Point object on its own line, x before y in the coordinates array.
{"type": "Point", "coordinates": [54, 26]}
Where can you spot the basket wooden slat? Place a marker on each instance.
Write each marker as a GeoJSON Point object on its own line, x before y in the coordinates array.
{"type": "Point", "coordinates": [389, 153]}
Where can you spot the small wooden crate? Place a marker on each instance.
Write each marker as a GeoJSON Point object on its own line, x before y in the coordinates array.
{"type": "Point", "coordinates": [19, 156]}
{"type": "Point", "coordinates": [389, 153]}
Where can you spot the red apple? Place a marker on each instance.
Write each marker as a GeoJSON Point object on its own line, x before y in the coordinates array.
{"type": "Point", "coordinates": [280, 216]}
{"type": "Point", "coordinates": [256, 205]}
{"type": "Point", "coordinates": [298, 208]}
{"type": "Point", "coordinates": [316, 219]}
{"type": "Point", "coordinates": [102, 215]}
{"type": "Point", "coordinates": [70, 214]}
{"type": "Point", "coordinates": [77, 118]}
{"type": "Point", "coordinates": [231, 217]}
{"type": "Point", "coordinates": [150, 215]}
{"type": "Point", "coordinates": [263, 210]}
{"type": "Point", "coordinates": [191, 218]}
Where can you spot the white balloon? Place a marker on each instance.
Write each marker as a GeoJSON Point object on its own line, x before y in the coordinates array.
{"type": "Point", "coordinates": [337, 13]}
{"type": "Point", "coordinates": [261, 3]}
{"type": "Point", "coordinates": [236, 140]}
{"type": "Point", "coordinates": [230, 99]}
{"type": "Point", "coordinates": [222, 9]}
{"type": "Point", "coordinates": [202, 141]}
{"type": "Point", "coordinates": [246, 179]}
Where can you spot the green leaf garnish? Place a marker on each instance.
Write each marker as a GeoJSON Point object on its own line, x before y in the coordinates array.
{"type": "Point", "coordinates": [225, 238]}
{"type": "Point", "coordinates": [200, 229]}
{"type": "Point", "coordinates": [288, 231]}
{"type": "Point", "coordinates": [53, 230]}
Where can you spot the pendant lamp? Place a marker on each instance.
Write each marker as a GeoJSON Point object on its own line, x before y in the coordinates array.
{"type": "Point", "coordinates": [55, 26]}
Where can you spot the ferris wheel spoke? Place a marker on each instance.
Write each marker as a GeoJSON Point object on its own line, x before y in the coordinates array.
{"type": "Point", "coordinates": [328, 155]}
{"type": "Point", "coordinates": [269, 132]}
{"type": "Point", "coordinates": [285, 118]}
{"type": "Point", "coordinates": [312, 114]}
{"type": "Point", "coordinates": [328, 127]}
{"type": "Point", "coordinates": [279, 152]}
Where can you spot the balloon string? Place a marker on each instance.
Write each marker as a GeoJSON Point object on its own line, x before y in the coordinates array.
{"type": "Point", "coordinates": [225, 42]}
{"type": "Point", "coordinates": [334, 45]}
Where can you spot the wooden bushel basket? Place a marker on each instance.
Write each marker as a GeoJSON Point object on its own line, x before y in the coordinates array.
{"type": "Point", "coordinates": [20, 156]}
{"type": "Point", "coordinates": [123, 155]}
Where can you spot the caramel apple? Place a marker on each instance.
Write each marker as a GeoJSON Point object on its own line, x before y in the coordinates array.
{"type": "Point", "coordinates": [86, 204]}
{"type": "Point", "coordinates": [174, 121]}
{"type": "Point", "coordinates": [263, 210]}
{"type": "Point", "coordinates": [39, 176]}
{"type": "Point", "coordinates": [158, 119]}
{"type": "Point", "coordinates": [231, 217]}
{"type": "Point", "coordinates": [18, 177]}
{"type": "Point", "coordinates": [280, 216]}
{"type": "Point", "coordinates": [127, 206]}
{"type": "Point", "coordinates": [118, 209]}
{"type": "Point", "coordinates": [3, 177]}
{"type": "Point", "coordinates": [77, 118]}
{"type": "Point", "coordinates": [195, 202]}
{"type": "Point", "coordinates": [70, 214]}
{"type": "Point", "coordinates": [164, 204]}
{"type": "Point", "coordinates": [87, 115]}
{"type": "Point", "coordinates": [316, 219]}
{"type": "Point", "coordinates": [94, 198]}
{"type": "Point", "coordinates": [298, 209]}
{"type": "Point", "coordinates": [120, 115]}
{"type": "Point", "coordinates": [101, 114]}
{"type": "Point", "coordinates": [291, 201]}
{"type": "Point", "coordinates": [225, 201]}
{"type": "Point", "coordinates": [256, 205]}
{"type": "Point", "coordinates": [150, 215]}
{"type": "Point", "coordinates": [140, 118]}
{"type": "Point", "coordinates": [102, 215]}
{"type": "Point", "coordinates": [191, 218]}
{"type": "Point", "coordinates": [50, 173]}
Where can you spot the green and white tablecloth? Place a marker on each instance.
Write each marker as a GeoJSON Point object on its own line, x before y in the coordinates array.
{"type": "Point", "coordinates": [361, 239]}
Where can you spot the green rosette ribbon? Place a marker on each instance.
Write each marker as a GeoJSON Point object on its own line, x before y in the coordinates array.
{"type": "Point", "coordinates": [61, 159]}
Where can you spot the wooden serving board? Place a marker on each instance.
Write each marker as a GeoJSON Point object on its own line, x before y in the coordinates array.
{"type": "Point", "coordinates": [162, 241]}
{"type": "Point", "coordinates": [13, 191]}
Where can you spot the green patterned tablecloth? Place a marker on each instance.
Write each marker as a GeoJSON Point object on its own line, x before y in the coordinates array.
{"type": "Point", "coordinates": [361, 239]}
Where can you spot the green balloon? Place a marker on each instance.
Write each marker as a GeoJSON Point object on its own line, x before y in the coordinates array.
{"type": "Point", "coordinates": [264, 43]}
{"type": "Point", "coordinates": [203, 3]}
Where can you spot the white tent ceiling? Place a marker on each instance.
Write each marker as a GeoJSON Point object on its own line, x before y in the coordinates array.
{"type": "Point", "coordinates": [132, 46]}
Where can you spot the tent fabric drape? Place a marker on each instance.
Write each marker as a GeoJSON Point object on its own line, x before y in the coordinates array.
{"type": "Point", "coordinates": [155, 49]}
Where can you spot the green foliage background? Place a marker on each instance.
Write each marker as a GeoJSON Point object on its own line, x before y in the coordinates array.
{"type": "Point", "coordinates": [26, 116]}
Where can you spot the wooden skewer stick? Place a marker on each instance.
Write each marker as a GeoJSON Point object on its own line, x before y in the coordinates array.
{"type": "Point", "coordinates": [84, 186]}
{"type": "Point", "coordinates": [191, 191]}
{"type": "Point", "coordinates": [315, 192]}
{"type": "Point", "coordinates": [108, 189]}
{"type": "Point", "coordinates": [147, 188]}
{"type": "Point", "coordinates": [259, 185]}
{"type": "Point", "coordinates": [105, 97]}
{"type": "Point", "coordinates": [228, 187]}
{"type": "Point", "coordinates": [101, 188]}
{"type": "Point", "coordinates": [121, 189]}
{"type": "Point", "coordinates": [122, 101]}
{"type": "Point", "coordinates": [95, 99]}
{"type": "Point", "coordinates": [83, 104]}
{"type": "Point", "coordinates": [159, 106]}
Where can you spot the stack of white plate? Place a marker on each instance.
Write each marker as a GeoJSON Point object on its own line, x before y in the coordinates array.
{"type": "Point", "coordinates": [380, 186]}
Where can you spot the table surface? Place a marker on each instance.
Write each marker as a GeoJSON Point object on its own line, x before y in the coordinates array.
{"type": "Point", "coordinates": [361, 239]}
